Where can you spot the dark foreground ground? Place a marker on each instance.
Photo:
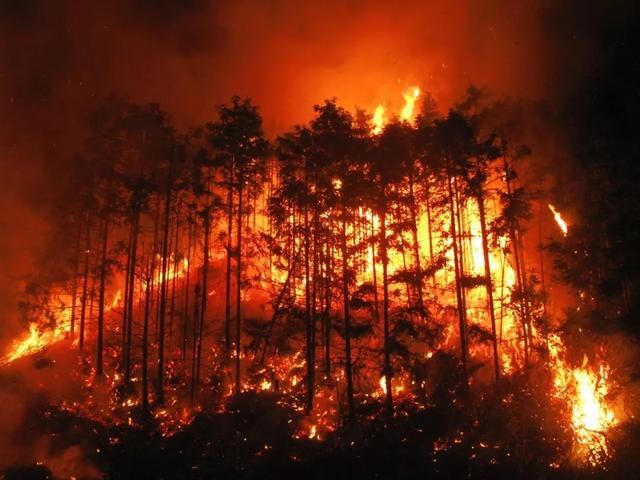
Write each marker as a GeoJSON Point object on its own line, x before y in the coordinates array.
{"type": "Point", "coordinates": [255, 439]}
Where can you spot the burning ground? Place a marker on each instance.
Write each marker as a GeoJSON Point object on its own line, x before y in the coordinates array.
{"type": "Point", "coordinates": [439, 282]}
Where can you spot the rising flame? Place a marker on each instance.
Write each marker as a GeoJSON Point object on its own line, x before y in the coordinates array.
{"type": "Point", "coordinates": [378, 120]}
{"type": "Point", "coordinates": [559, 220]}
{"type": "Point", "coordinates": [585, 390]}
{"type": "Point", "coordinates": [410, 97]}
{"type": "Point", "coordinates": [179, 272]}
{"type": "Point", "coordinates": [406, 114]}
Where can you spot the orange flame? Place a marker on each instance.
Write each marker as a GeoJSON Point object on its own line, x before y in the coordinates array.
{"type": "Point", "coordinates": [378, 120]}
{"type": "Point", "coordinates": [585, 390]}
{"type": "Point", "coordinates": [559, 220]}
{"type": "Point", "coordinates": [36, 341]}
{"type": "Point", "coordinates": [410, 97]}
{"type": "Point", "coordinates": [406, 114]}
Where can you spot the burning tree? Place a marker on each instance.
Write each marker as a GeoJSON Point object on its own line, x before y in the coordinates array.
{"type": "Point", "coordinates": [361, 267]}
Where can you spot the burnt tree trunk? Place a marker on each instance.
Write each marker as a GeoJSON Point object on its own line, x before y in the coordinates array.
{"type": "Point", "coordinates": [163, 284]}
{"type": "Point", "coordinates": [307, 288]}
{"type": "Point", "coordinates": [385, 313]}
{"type": "Point", "coordinates": [129, 302]}
{"type": "Point", "coordinates": [489, 284]}
{"type": "Point", "coordinates": [347, 318]}
{"type": "Point", "coordinates": [416, 243]}
{"type": "Point", "coordinates": [174, 276]}
{"type": "Point", "coordinates": [227, 305]}
{"type": "Point", "coordinates": [203, 291]}
{"type": "Point", "coordinates": [376, 300]}
{"type": "Point", "coordinates": [238, 278]}
{"type": "Point", "coordinates": [74, 282]}
{"type": "Point", "coordinates": [458, 272]}
{"type": "Point", "coordinates": [521, 276]}
{"type": "Point", "coordinates": [195, 370]}
{"type": "Point", "coordinates": [85, 284]}
{"type": "Point", "coordinates": [103, 275]}
{"type": "Point", "coordinates": [185, 311]}
{"type": "Point", "coordinates": [145, 340]}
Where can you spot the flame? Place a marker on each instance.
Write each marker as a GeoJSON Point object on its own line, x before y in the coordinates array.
{"type": "Point", "coordinates": [397, 386]}
{"type": "Point", "coordinates": [116, 299]}
{"type": "Point", "coordinates": [378, 120]}
{"type": "Point", "coordinates": [36, 341]}
{"type": "Point", "coordinates": [265, 385]}
{"type": "Point", "coordinates": [406, 114]}
{"type": "Point", "coordinates": [585, 391]}
{"type": "Point", "coordinates": [410, 97]}
{"type": "Point", "coordinates": [559, 220]}
{"type": "Point", "coordinates": [171, 273]}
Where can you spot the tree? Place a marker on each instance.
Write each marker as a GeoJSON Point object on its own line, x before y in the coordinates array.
{"type": "Point", "coordinates": [337, 147]}
{"type": "Point", "coordinates": [238, 142]}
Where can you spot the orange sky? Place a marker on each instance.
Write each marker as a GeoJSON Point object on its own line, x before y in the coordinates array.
{"type": "Point", "coordinates": [59, 58]}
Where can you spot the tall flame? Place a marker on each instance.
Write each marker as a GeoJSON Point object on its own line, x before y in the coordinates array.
{"type": "Point", "coordinates": [559, 220]}
{"type": "Point", "coordinates": [585, 390]}
{"type": "Point", "coordinates": [410, 97]}
{"type": "Point", "coordinates": [407, 113]}
{"type": "Point", "coordinates": [378, 120]}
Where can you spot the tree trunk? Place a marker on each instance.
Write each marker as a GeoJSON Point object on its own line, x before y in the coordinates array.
{"type": "Point", "coordinates": [163, 285]}
{"type": "Point", "coordinates": [520, 275]}
{"type": "Point", "coordinates": [103, 275]}
{"type": "Point", "coordinates": [203, 291]}
{"type": "Point", "coordinates": [307, 296]}
{"type": "Point", "coordinates": [429, 231]}
{"type": "Point", "coordinates": [238, 278]}
{"type": "Point", "coordinates": [74, 283]}
{"type": "Point", "coordinates": [459, 298]}
{"type": "Point", "coordinates": [347, 319]}
{"type": "Point", "coordinates": [376, 301]}
{"type": "Point", "coordinates": [85, 284]}
{"type": "Point", "coordinates": [385, 312]}
{"type": "Point", "coordinates": [172, 305]}
{"type": "Point", "coordinates": [416, 243]}
{"type": "Point", "coordinates": [127, 293]}
{"type": "Point", "coordinates": [489, 285]}
{"type": "Point", "coordinates": [327, 312]}
{"type": "Point", "coordinates": [131, 281]}
{"type": "Point", "coordinates": [185, 311]}
{"type": "Point", "coordinates": [227, 305]}
{"type": "Point", "coordinates": [195, 362]}
{"type": "Point", "coordinates": [145, 341]}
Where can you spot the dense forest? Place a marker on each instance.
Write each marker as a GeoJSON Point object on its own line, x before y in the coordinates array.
{"type": "Point", "coordinates": [429, 288]}
{"type": "Point", "coordinates": [362, 278]}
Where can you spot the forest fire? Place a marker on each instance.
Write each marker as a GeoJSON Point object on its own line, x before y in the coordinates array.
{"type": "Point", "coordinates": [407, 113]}
{"type": "Point", "coordinates": [384, 292]}
{"type": "Point", "coordinates": [433, 263]}
{"type": "Point", "coordinates": [410, 98]}
{"type": "Point", "coordinates": [36, 341]}
{"type": "Point", "coordinates": [586, 391]}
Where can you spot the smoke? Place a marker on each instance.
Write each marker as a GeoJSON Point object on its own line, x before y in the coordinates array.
{"type": "Point", "coordinates": [61, 58]}
{"type": "Point", "coordinates": [25, 439]}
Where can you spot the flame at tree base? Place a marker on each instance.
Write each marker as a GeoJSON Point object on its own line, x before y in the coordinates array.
{"type": "Point", "coordinates": [585, 390]}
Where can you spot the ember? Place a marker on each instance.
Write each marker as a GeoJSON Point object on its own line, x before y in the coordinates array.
{"type": "Point", "coordinates": [559, 220]}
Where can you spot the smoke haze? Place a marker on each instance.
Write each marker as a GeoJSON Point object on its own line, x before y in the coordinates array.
{"type": "Point", "coordinates": [61, 58]}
